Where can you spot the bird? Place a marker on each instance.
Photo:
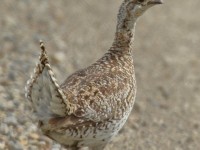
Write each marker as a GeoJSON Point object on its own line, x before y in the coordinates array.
{"type": "Point", "coordinates": [92, 104]}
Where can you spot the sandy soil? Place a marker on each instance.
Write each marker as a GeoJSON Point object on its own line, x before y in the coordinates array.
{"type": "Point", "coordinates": [76, 33]}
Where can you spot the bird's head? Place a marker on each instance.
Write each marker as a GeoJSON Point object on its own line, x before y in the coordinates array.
{"type": "Point", "coordinates": [138, 7]}
{"type": "Point", "coordinates": [131, 10]}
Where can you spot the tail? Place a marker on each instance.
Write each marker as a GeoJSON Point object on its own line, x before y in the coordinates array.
{"type": "Point", "coordinates": [43, 91]}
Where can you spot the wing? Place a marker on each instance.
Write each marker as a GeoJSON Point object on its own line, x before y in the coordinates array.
{"type": "Point", "coordinates": [43, 91]}
{"type": "Point", "coordinates": [101, 93]}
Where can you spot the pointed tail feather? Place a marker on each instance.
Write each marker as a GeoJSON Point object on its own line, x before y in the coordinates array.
{"type": "Point", "coordinates": [43, 91]}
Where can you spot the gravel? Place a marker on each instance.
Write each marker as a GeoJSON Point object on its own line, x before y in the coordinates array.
{"type": "Point", "coordinates": [76, 33]}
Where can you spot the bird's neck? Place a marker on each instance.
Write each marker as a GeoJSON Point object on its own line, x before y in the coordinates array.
{"type": "Point", "coordinates": [124, 36]}
{"type": "Point", "coordinates": [124, 39]}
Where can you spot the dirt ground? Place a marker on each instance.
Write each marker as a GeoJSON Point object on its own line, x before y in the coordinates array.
{"type": "Point", "coordinates": [76, 33]}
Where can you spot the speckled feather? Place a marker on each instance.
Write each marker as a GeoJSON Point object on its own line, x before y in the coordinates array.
{"type": "Point", "coordinates": [98, 98]}
{"type": "Point", "coordinates": [92, 104]}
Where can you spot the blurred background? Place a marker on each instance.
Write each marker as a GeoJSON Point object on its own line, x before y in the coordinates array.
{"type": "Point", "coordinates": [76, 33]}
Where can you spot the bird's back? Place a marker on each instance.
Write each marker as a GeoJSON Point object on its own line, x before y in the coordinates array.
{"type": "Point", "coordinates": [105, 90]}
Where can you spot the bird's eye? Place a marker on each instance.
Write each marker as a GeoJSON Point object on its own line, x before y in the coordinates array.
{"type": "Point", "coordinates": [140, 1]}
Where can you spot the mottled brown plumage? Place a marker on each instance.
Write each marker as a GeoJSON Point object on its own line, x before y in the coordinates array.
{"type": "Point", "coordinates": [92, 104]}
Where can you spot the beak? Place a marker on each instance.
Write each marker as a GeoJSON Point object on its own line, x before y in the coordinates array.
{"type": "Point", "coordinates": [154, 2]}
